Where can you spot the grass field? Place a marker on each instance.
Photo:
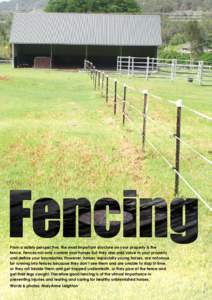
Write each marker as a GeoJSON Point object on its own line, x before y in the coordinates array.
{"type": "Point", "coordinates": [59, 139]}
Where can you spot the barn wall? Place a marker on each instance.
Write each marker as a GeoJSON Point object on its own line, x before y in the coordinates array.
{"type": "Point", "coordinates": [73, 56]}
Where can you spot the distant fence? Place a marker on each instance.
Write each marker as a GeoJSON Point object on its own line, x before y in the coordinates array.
{"type": "Point", "coordinates": [5, 61]}
{"type": "Point", "coordinates": [165, 68]}
{"type": "Point", "coordinates": [110, 91]}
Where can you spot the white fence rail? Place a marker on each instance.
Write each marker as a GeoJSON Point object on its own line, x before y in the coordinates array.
{"type": "Point", "coordinates": [165, 68]}
{"type": "Point", "coordinates": [5, 61]}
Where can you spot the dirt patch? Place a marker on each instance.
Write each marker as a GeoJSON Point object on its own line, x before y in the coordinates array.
{"type": "Point", "coordinates": [3, 78]}
{"type": "Point", "coordinates": [109, 121]}
{"type": "Point", "coordinates": [131, 160]}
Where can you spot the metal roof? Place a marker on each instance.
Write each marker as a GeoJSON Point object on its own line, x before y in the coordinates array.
{"type": "Point", "coordinates": [86, 29]}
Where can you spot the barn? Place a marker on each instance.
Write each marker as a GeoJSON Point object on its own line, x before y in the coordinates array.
{"type": "Point", "coordinates": [64, 40]}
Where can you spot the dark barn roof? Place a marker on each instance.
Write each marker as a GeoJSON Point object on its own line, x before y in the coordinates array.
{"type": "Point", "coordinates": [86, 29]}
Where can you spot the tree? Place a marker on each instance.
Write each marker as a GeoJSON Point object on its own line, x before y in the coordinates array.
{"type": "Point", "coordinates": [195, 36]}
{"type": "Point", "coordinates": [177, 39]}
{"type": "Point", "coordinates": [107, 6]}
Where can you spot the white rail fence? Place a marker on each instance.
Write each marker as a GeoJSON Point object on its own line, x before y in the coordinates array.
{"type": "Point", "coordinates": [5, 61]}
{"type": "Point", "coordinates": [165, 68]}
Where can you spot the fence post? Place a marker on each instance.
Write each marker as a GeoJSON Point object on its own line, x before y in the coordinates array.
{"type": "Point", "coordinates": [107, 88]}
{"type": "Point", "coordinates": [173, 69]}
{"type": "Point", "coordinates": [91, 70]}
{"type": "Point", "coordinates": [117, 67]}
{"type": "Point", "coordinates": [133, 66]}
{"type": "Point", "coordinates": [99, 79]}
{"type": "Point", "coordinates": [200, 72]}
{"type": "Point", "coordinates": [103, 81]}
{"type": "Point", "coordinates": [129, 60]}
{"type": "Point", "coordinates": [115, 96]}
{"type": "Point", "coordinates": [95, 79]}
{"type": "Point", "coordinates": [147, 68]}
{"type": "Point", "coordinates": [145, 92]}
{"type": "Point", "coordinates": [153, 62]}
{"type": "Point", "coordinates": [179, 105]}
{"type": "Point", "coordinates": [124, 104]}
{"type": "Point", "coordinates": [93, 75]}
{"type": "Point", "coordinates": [85, 65]}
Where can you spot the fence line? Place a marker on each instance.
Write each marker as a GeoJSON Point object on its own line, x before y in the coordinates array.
{"type": "Point", "coordinates": [115, 96]}
{"type": "Point", "coordinates": [165, 68]}
{"type": "Point", "coordinates": [173, 169]}
{"type": "Point", "coordinates": [200, 114]}
{"type": "Point", "coordinates": [172, 135]}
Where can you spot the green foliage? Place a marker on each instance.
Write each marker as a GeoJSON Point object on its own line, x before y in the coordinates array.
{"type": "Point", "coordinates": [5, 24]}
{"type": "Point", "coordinates": [207, 27]}
{"type": "Point", "coordinates": [170, 54]}
{"type": "Point", "coordinates": [177, 39]}
{"type": "Point", "coordinates": [170, 28]}
{"type": "Point", "coordinates": [93, 6]}
{"type": "Point", "coordinates": [206, 57]}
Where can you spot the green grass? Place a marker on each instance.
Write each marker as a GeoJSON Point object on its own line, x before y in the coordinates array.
{"type": "Point", "coordinates": [59, 139]}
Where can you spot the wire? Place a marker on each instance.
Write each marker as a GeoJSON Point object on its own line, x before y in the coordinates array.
{"type": "Point", "coordinates": [158, 151]}
{"type": "Point", "coordinates": [172, 135]}
{"type": "Point", "coordinates": [175, 171]}
{"type": "Point", "coordinates": [198, 113]}
{"type": "Point", "coordinates": [193, 150]}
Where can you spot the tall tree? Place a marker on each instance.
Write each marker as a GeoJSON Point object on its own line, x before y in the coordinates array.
{"type": "Point", "coordinates": [195, 36]}
{"type": "Point", "coordinates": [106, 6]}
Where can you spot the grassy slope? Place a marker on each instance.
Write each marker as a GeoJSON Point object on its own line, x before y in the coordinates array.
{"type": "Point", "coordinates": [59, 139]}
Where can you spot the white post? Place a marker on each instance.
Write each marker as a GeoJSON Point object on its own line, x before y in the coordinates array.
{"type": "Point", "coordinates": [85, 65]}
{"type": "Point", "coordinates": [200, 72]}
{"type": "Point", "coordinates": [13, 56]}
{"type": "Point", "coordinates": [129, 59]}
{"type": "Point", "coordinates": [153, 63]}
{"type": "Point", "coordinates": [133, 65]}
{"type": "Point", "coordinates": [147, 68]}
{"type": "Point", "coordinates": [117, 66]}
{"type": "Point", "coordinates": [173, 69]}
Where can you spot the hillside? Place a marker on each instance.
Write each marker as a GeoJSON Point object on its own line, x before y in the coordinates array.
{"type": "Point", "coordinates": [166, 6]}
{"type": "Point", "coordinates": [148, 5]}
